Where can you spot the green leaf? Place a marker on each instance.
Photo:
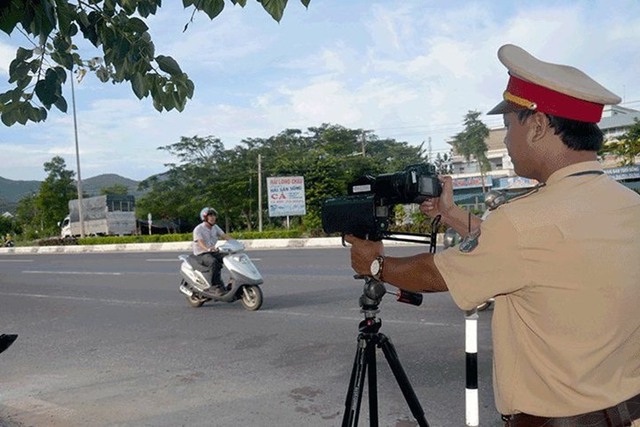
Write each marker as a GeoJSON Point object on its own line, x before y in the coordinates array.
{"type": "Point", "coordinates": [23, 54]}
{"type": "Point", "coordinates": [22, 113]}
{"type": "Point", "coordinates": [64, 12]}
{"type": "Point", "coordinates": [157, 102]}
{"type": "Point", "coordinates": [136, 25]}
{"type": "Point", "coordinates": [212, 8]}
{"type": "Point", "coordinates": [61, 104]}
{"type": "Point", "coordinates": [46, 92]}
{"type": "Point", "coordinates": [35, 114]}
{"type": "Point", "coordinates": [10, 16]}
{"type": "Point", "coordinates": [10, 113]}
{"type": "Point", "coordinates": [18, 70]}
{"type": "Point", "coordinates": [168, 65]}
{"type": "Point", "coordinates": [139, 86]}
{"type": "Point", "coordinates": [275, 8]}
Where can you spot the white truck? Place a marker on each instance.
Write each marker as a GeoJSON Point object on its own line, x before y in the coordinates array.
{"type": "Point", "coordinates": [103, 216]}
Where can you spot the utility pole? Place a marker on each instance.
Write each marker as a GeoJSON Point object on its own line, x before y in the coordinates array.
{"type": "Point", "coordinates": [260, 193]}
{"type": "Point", "coordinates": [75, 129]}
{"type": "Point", "coordinates": [363, 141]}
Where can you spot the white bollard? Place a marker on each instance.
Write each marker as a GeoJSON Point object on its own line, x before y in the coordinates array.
{"type": "Point", "coordinates": [472, 416]}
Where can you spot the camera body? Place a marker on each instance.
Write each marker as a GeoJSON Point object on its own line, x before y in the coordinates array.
{"type": "Point", "coordinates": [365, 211]}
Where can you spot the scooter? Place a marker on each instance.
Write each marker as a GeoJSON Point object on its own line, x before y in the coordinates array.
{"type": "Point", "coordinates": [241, 275]}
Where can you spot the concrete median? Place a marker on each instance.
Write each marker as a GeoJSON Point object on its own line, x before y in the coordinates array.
{"type": "Point", "coordinates": [318, 242]}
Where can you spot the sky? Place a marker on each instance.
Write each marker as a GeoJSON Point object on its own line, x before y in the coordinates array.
{"type": "Point", "coordinates": [408, 70]}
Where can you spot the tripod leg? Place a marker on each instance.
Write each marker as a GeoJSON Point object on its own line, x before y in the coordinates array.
{"type": "Point", "coordinates": [356, 384]}
{"type": "Point", "coordinates": [373, 384]}
{"type": "Point", "coordinates": [403, 380]}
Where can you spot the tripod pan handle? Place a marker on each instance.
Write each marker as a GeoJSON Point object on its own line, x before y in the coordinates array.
{"type": "Point", "coordinates": [409, 297]}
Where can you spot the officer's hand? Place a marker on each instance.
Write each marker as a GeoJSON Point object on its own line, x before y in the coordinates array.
{"type": "Point", "coordinates": [440, 205]}
{"type": "Point", "coordinates": [363, 252]}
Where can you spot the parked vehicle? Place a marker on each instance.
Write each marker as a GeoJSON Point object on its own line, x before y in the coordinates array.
{"type": "Point", "coordinates": [7, 241]}
{"type": "Point", "coordinates": [102, 216]}
{"type": "Point", "coordinates": [239, 273]}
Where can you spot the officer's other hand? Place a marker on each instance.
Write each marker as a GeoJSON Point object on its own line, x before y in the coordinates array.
{"type": "Point", "coordinates": [440, 205]}
{"type": "Point", "coordinates": [363, 252]}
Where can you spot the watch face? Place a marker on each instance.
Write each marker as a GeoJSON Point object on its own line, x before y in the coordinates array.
{"type": "Point", "coordinates": [375, 267]}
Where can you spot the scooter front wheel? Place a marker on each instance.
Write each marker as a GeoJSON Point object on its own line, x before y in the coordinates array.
{"type": "Point", "coordinates": [251, 297]}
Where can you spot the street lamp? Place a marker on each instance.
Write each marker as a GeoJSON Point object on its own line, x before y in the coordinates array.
{"type": "Point", "coordinates": [75, 129]}
{"type": "Point", "coordinates": [260, 193]}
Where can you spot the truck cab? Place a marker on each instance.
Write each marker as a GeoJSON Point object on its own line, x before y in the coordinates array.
{"type": "Point", "coordinates": [65, 228]}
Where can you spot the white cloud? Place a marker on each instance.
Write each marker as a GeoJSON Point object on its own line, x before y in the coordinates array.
{"type": "Point", "coordinates": [408, 70]}
{"type": "Point", "coordinates": [7, 54]}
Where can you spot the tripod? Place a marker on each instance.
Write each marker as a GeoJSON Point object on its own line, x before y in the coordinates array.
{"type": "Point", "coordinates": [365, 362]}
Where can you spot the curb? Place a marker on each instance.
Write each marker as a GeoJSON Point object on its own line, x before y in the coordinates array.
{"type": "Point", "coordinates": [312, 243]}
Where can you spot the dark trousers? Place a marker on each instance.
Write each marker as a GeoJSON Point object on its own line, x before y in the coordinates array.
{"type": "Point", "coordinates": [213, 263]}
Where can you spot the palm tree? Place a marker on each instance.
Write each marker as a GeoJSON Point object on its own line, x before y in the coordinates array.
{"type": "Point", "coordinates": [471, 143]}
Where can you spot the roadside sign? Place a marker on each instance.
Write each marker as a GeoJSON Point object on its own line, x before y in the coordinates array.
{"type": "Point", "coordinates": [286, 196]}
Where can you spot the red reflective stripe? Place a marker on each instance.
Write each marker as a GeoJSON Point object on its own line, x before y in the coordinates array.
{"type": "Point", "coordinates": [555, 103]}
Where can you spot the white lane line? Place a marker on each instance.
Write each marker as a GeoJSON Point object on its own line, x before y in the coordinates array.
{"type": "Point", "coordinates": [16, 260]}
{"type": "Point", "coordinates": [176, 259]}
{"type": "Point", "coordinates": [283, 313]}
{"type": "Point", "coordinates": [86, 273]}
{"type": "Point", "coordinates": [350, 318]}
{"type": "Point", "coordinates": [72, 298]}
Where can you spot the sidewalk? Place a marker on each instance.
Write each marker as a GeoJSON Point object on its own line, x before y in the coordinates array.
{"type": "Point", "coordinates": [317, 242]}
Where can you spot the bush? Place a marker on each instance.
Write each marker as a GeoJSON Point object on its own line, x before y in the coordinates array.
{"type": "Point", "coordinates": [161, 238]}
{"type": "Point", "coordinates": [56, 241]}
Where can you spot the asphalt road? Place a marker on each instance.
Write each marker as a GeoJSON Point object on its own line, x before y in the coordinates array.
{"type": "Point", "coordinates": [107, 340]}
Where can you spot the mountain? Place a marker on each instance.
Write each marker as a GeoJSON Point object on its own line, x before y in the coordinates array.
{"type": "Point", "coordinates": [12, 191]}
{"type": "Point", "coordinates": [92, 186]}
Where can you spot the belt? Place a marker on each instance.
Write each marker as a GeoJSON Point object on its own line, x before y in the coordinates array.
{"type": "Point", "coordinates": [620, 415]}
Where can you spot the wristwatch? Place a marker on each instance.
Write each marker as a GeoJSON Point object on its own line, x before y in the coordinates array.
{"type": "Point", "coordinates": [376, 268]}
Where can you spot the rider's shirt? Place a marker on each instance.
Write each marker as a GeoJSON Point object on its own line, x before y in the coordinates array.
{"type": "Point", "coordinates": [209, 235]}
{"type": "Point", "coordinates": [564, 266]}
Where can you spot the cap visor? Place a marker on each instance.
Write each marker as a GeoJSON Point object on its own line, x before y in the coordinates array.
{"type": "Point", "coordinates": [505, 107]}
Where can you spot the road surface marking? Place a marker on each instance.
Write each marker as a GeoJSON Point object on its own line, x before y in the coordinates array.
{"type": "Point", "coordinates": [97, 273]}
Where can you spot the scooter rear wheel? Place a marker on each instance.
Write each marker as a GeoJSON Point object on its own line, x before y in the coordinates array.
{"type": "Point", "coordinates": [195, 301]}
{"type": "Point", "coordinates": [251, 297]}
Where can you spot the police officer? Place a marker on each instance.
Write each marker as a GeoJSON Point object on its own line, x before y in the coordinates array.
{"type": "Point", "coordinates": [562, 262]}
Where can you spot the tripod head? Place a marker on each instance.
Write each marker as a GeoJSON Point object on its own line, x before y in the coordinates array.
{"type": "Point", "coordinates": [373, 292]}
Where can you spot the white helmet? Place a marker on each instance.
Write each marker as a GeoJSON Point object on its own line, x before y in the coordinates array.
{"type": "Point", "coordinates": [205, 212]}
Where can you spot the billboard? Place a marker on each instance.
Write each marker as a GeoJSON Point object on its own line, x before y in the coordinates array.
{"type": "Point", "coordinates": [286, 195]}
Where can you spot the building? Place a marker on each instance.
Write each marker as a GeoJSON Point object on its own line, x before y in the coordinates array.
{"type": "Point", "coordinates": [468, 183]}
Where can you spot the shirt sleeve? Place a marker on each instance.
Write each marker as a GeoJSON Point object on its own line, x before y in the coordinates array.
{"type": "Point", "coordinates": [492, 267]}
{"type": "Point", "coordinates": [196, 234]}
{"type": "Point", "coordinates": [218, 230]}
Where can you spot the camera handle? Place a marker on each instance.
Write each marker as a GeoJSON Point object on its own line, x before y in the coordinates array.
{"type": "Point", "coordinates": [364, 363]}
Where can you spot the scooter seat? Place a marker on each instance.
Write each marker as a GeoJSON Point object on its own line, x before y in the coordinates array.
{"type": "Point", "coordinates": [193, 262]}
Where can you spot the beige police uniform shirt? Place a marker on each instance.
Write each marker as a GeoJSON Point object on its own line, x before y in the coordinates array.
{"type": "Point", "coordinates": [564, 265]}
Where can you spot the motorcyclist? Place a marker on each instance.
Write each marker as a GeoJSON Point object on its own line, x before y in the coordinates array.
{"type": "Point", "coordinates": [7, 240]}
{"type": "Point", "coordinates": [205, 237]}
